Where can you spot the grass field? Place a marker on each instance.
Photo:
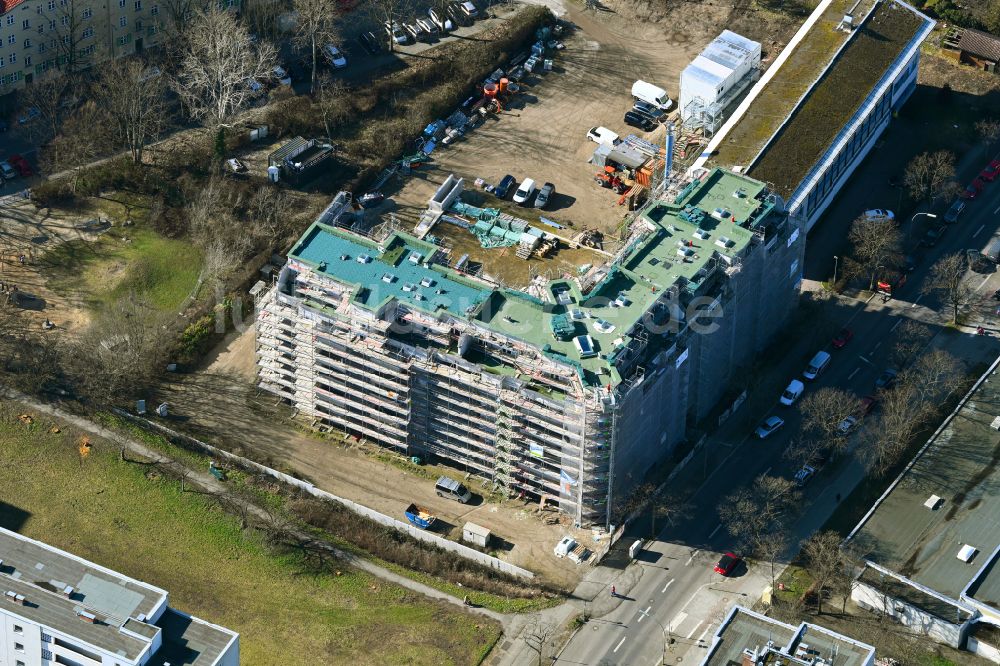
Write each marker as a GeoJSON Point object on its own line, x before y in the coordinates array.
{"type": "Point", "coordinates": [116, 514]}
{"type": "Point", "coordinates": [162, 271]}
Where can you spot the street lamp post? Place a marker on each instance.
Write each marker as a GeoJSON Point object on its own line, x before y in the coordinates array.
{"type": "Point", "coordinates": [668, 639]}
{"type": "Point", "coordinates": [836, 261]}
{"type": "Point", "coordinates": [913, 219]}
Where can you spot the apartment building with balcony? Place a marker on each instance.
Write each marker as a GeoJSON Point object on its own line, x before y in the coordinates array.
{"type": "Point", "coordinates": [41, 36]}
{"type": "Point", "coordinates": [572, 392]}
{"type": "Point", "coordinates": [58, 608]}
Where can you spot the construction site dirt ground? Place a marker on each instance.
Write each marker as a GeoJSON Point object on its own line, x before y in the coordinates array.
{"type": "Point", "coordinates": [545, 139]}
{"type": "Point", "coordinates": [542, 134]}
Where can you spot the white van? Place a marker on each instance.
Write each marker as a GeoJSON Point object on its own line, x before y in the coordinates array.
{"type": "Point", "coordinates": [655, 95]}
{"type": "Point", "coordinates": [525, 191]}
{"type": "Point", "coordinates": [792, 393]}
{"type": "Point", "coordinates": [602, 135]}
{"type": "Point", "coordinates": [817, 365]}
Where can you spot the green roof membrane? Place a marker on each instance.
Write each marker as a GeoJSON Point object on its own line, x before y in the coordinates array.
{"type": "Point", "coordinates": [399, 272]}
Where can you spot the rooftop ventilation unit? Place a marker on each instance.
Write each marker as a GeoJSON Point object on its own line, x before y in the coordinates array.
{"type": "Point", "coordinates": [846, 23]}
{"type": "Point", "coordinates": [409, 287]}
{"type": "Point", "coordinates": [344, 257]}
{"type": "Point", "coordinates": [427, 282]}
{"type": "Point", "coordinates": [388, 278]}
{"type": "Point", "coordinates": [966, 553]}
{"type": "Point", "coordinates": [933, 502]}
{"type": "Point", "coordinates": [721, 214]}
{"type": "Point", "coordinates": [363, 259]}
{"type": "Point", "coordinates": [996, 423]}
{"type": "Point", "coordinates": [87, 617]}
{"type": "Point", "coordinates": [724, 242]}
{"type": "Point", "coordinates": [415, 257]}
{"type": "Point", "coordinates": [701, 234]}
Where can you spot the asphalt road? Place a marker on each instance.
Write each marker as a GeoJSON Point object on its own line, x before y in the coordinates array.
{"type": "Point", "coordinates": [675, 594]}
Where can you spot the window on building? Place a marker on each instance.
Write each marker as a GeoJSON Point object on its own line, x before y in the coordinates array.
{"type": "Point", "coordinates": [12, 39]}
{"type": "Point", "coordinates": [13, 58]}
{"type": "Point", "coordinates": [27, 61]}
{"type": "Point", "coordinates": [138, 5]}
{"type": "Point", "coordinates": [25, 24]}
{"type": "Point", "coordinates": [64, 20]}
{"type": "Point", "coordinates": [65, 40]}
{"type": "Point", "coordinates": [124, 39]}
{"type": "Point", "coordinates": [41, 48]}
{"type": "Point", "coordinates": [52, 25]}
{"type": "Point", "coordinates": [18, 629]}
{"type": "Point", "coordinates": [19, 647]}
{"type": "Point", "coordinates": [155, 11]}
{"type": "Point", "coordinates": [138, 24]}
{"type": "Point", "coordinates": [87, 13]}
{"type": "Point", "coordinates": [123, 21]}
{"type": "Point", "coordinates": [88, 32]}
{"type": "Point", "coordinates": [10, 20]}
{"type": "Point", "coordinates": [27, 43]}
{"type": "Point", "coordinates": [52, 5]}
{"type": "Point", "coordinates": [19, 662]}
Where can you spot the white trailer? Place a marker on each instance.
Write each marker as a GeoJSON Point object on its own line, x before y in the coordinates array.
{"type": "Point", "coordinates": [723, 70]}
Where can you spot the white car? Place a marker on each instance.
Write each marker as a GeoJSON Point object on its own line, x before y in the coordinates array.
{"type": "Point", "coordinates": [601, 135]}
{"type": "Point", "coordinates": [880, 214]}
{"type": "Point", "coordinates": [281, 75]}
{"type": "Point", "coordinates": [769, 426]}
{"type": "Point", "coordinates": [335, 56]}
{"type": "Point", "coordinates": [792, 392]}
{"type": "Point", "coordinates": [525, 191]}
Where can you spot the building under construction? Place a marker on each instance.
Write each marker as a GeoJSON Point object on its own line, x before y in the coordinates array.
{"type": "Point", "coordinates": [573, 392]}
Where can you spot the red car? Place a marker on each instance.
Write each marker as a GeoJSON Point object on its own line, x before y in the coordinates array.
{"type": "Point", "coordinates": [973, 190]}
{"type": "Point", "coordinates": [727, 563]}
{"type": "Point", "coordinates": [20, 164]}
{"type": "Point", "coordinates": [991, 171]}
{"type": "Point", "coordinates": [843, 338]}
{"type": "Point", "coordinates": [868, 403]}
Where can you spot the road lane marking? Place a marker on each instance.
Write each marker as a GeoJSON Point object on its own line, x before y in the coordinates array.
{"type": "Point", "coordinates": [619, 643]}
{"type": "Point", "coordinates": [981, 227]}
{"type": "Point", "coordinates": [677, 621]}
{"type": "Point", "coordinates": [983, 283]}
{"type": "Point", "coordinates": [664, 590]}
{"type": "Point", "coordinates": [766, 471]}
{"type": "Point", "coordinates": [715, 530]}
{"type": "Point", "coordinates": [688, 637]}
{"type": "Point", "coordinates": [862, 358]}
{"type": "Point", "coordinates": [997, 210]}
{"type": "Point", "coordinates": [851, 376]}
{"type": "Point", "coordinates": [896, 325]}
{"type": "Point", "coordinates": [707, 629]}
{"type": "Point", "coordinates": [642, 614]}
{"type": "Point", "coordinates": [691, 559]}
{"type": "Point", "coordinates": [916, 301]}
{"type": "Point", "coordinates": [877, 345]}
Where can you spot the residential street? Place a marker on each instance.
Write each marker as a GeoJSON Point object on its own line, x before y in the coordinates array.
{"type": "Point", "coordinates": [673, 581]}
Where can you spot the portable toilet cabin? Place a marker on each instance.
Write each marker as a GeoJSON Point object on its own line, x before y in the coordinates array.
{"type": "Point", "coordinates": [476, 534]}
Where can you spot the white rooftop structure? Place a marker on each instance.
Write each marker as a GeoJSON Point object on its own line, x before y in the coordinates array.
{"type": "Point", "coordinates": [723, 70]}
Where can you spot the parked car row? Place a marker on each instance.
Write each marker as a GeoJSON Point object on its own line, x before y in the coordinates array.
{"type": "Point", "coordinates": [524, 192]}
{"type": "Point", "coordinates": [14, 166]}
{"type": "Point", "coordinates": [426, 27]}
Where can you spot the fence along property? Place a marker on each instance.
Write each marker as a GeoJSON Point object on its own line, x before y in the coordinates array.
{"type": "Point", "coordinates": [381, 518]}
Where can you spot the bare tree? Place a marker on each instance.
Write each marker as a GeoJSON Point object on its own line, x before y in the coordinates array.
{"type": "Point", "coordinates": [218, 63]}
{"type": "Point", "coordinates": [911, 338]}
{"type": "Point", "coordinates": [824, 411]}
{"type": "Point", "coordinates": [771, 548]}
{"type": "Point", "coordinates": [316, 25]}
{"type": "Point", "coordinates": [76, 48]}
{"type": "Point", "coordinates": [988, 128]}
{"type": "Point", "coordinates": [79, 142]}
{"type": "Point", "coordinates": [133, 105]}
{"type": "Point", "coordinates": [947, 282]}
{"type": "Point", "coordinates": [53, 95]}
{"type": "Point", "coordinates": [930, 176]}
{"type": "Point", "coordinates": [388, 12]}
{"type": "Point", "coordinates": [934, 376]}
{"type": "Point", "coordinates": [180, 12]}
{"type": "Point", "coordinates": [538, 635]}
{"type": "Point", "coordinates": [261, 17]}
{"type": "Point", "coordinates": [333, 103]}
{"type": "Point", "coordinates": [824, 561]}
{"type": "Point", "coordinates": [225, 243]}
{"type": "Point", "coordinates": [752, 514]}
{"type": "Point", "coordinates": [991, 19]}
{"type": "Point", "coordinates": [874, 243]}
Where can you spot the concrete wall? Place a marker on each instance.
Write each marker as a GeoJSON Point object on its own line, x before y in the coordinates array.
{"type": "Point", "coordinates": [916, 619]}
{"type": "Point", "coordinates": [381, 518]}
{"type": "Point", "coordinates": [984, 650]}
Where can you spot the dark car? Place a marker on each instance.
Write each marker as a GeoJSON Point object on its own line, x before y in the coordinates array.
{"type": "Point", "coordinates": [886, 379]}
{"type": "Point", "coordinates": [370, 42]}
{"type": "Point", "coordinates": [868, 403]}
{"type": "Point", "coordinates": [636, 119]}
{"type": "Point", "coordinates": [21, 165]}
{"type": "Point", "coordinates": [544, 194]}
{"type": "Point", "coordinates": [973, 190]}
{"type": "Point", "coordinates": [932, 236]}
{"type": "Point", "coordinates": [654, 113]}
{"type": "Point", "coordinates": [843, 338]}
{"type": "Point", "coordinates": [727, 563]}
{"type": "Point", "coordinates": [503, 187]}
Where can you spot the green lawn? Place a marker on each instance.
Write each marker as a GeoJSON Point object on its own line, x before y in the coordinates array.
{"type": "Point", "coordinates": [162, 271]}
{"type": "Point", "coordinates": [117, 515]}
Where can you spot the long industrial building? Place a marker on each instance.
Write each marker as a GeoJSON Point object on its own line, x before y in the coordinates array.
{"type": "Point", "coordinates": [572, 392]}
{"type": "Point", "coordinates": [61, 609]}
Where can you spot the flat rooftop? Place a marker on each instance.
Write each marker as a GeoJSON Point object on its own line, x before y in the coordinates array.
{"type": "Point", "coordinates": [686, 239]}
{"type": "Point", "coordinates": [42, 574]}
{"type": "Point", "coordinates": [188, 641]}
{"type": "Point", "coordinates": [960, 465]}
{"type": "Point", "coordinates": [818, 119]}
{"type": "Point", "coordinates": [776, 641]}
